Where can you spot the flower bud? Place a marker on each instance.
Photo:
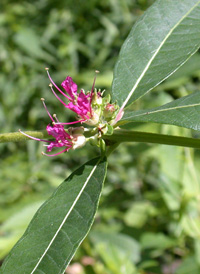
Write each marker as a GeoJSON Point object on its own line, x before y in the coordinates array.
{"type": "Point", "coordinates": [94, 119]}
{"type": "Point", "coordinates": [109, 110]}
{"type": "Point", "coordinates": [76, 131]}
{"type": "Point", "coordinates": [94, 141]}
{"type": "Point", "coordinates": [96, 98]}
{"type": "Point", "coordinates": [78, 138]}
{"type": "Point", "coordinates": [79, 141]}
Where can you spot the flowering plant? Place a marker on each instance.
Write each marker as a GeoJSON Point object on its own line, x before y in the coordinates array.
{"type": "Point", "coordinates": [91, 108]}
{"type": "Point", "coordinates": [152, 52]}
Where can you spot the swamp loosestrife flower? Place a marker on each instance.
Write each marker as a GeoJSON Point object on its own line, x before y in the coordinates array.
{"type": "Point", "coordinates": [91, 108]}
{"type": "Point", "coordinates": [80, 103]}
{"type": "Point", "coordinates": [70, 140]}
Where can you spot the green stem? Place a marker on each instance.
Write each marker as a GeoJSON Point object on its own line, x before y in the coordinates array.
{"type": "Point", "coordinates": [17, 136]}
{"type": "Point", "coordinates": [118, 136]}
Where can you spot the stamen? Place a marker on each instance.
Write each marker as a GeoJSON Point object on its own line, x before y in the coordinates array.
{"type": "Point", "coordinates": [57, 96]}
{"type": "Point", "coordinates": [34, 138]}
{"type": "Point", "coordinates": [92, 90]}
{"type": "Point", "coordinates": [57, 86]}
{"type": "Point", "coordinates": [54, 115]}
{"type": "Point", "coordinates": [96, 72]}
{"type": "Point", "coordinates": [42, 99]}
{"type": "Point", "coordinates": [51, 155]}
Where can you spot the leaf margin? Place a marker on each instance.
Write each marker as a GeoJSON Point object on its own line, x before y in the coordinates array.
{"type": "Point", "coordinates": [99, 160]}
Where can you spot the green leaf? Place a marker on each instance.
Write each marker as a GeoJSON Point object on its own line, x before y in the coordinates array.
{"type": "Point", "coordinates": [159, 43]}
{"type": "Point", "coordinates": [188, 265]}
{"type": "Point", "coordinates": [183, 74]}
{"type": "Point", "coordinates": [138, 214]}
{"type": "Point", "coordinates": [120, 136]}
{"type": "Point", "coordinates": [9, 233]}
{"type": "Point", "coordinates": [26, 37]}
{"type": "Point", "coordinates": [127, 246]}
{"type": "Point", "coordinates": [187, 70]}
{"type": "Point", "coordinates": [119, 252]}
{"type": "Point", "coordinates": [184, 112]}
{"type": "Point", "coordinates": [157, 241]}
{"type": "Point", "coordinates": [60, 225]}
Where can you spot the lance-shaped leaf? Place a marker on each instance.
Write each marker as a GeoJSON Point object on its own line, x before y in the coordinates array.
{"type": "Point", "coordinates": [160, 42]}
{"type": "Point", "coordinates": [60, 225]}
{"type": "Point", "coordinates": [184, 112]}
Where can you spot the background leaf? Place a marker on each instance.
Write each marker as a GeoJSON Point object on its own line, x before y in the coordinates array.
{"type": "Point", "coordinates": [24, 37]}
{"type": "Point", "coordinates": [127, 246]}
{"type": "Point", "coordinates": [118, 251]}
{"type": "Point", "coordinates": [184, 112]}
{"type": "Point", "coordinates": [9, 233]}
{"type": "Point", "coordinates": [159, 43]}
{"type": "Point", "coordinates": [51, 240]}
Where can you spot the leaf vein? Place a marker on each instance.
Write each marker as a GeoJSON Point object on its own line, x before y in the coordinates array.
{"type": "Point", "coordinates": [154, 55]}
{"type": "Point", "coordinates": [66, 216]}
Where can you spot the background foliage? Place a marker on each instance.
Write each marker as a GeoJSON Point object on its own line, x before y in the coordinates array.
{"type": "Point", "coordinates": [149, 216]}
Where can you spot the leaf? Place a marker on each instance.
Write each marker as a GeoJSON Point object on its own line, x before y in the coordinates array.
{"type": "Point", "coordinates": [127, 246]}
{"type": "Point", "coordinates": [157, 241]}
{"type": "Point", "coordinates": [183, 112]}
{"type": "Point", "coordinates": [138, 214]}
{"type": "Point", "coordinates": [183, 74]}
{"type": "Point", "coordinates": [188, 265]}
{"type": "Point", "coordinates": [119, 252]}
{"type": "Point", "coordinates": [30, 42]}
{"type": "Point", "coordinates": [9, 233]}
{"type": "Point", "coordinates": [60, 225]}
{"type": "Point", "coordinates": [159, 43]}
{"type": "Point", "coordinates": [187, 70]}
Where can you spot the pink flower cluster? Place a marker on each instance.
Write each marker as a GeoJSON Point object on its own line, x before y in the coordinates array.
{"type": "Point", "coordinates": [90, 108]}
{"type": "Point", "coordinates": [57, 131]}
{"type": "Point", "coordinates": [80, 103]}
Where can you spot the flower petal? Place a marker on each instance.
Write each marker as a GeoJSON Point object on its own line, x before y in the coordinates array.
{"type": "Point", "coordinates": [70, 87]}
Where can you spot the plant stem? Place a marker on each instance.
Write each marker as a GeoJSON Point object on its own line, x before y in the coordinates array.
{"type": "Point", "coordinates": [118, 136]}
{"type": "Point", "coordinates": [17, 136]}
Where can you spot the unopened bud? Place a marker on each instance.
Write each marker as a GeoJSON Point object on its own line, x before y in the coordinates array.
{"type": "Point", "coordinates": [96, 98]}
{"type": "Point", "coordinates": [94, 141]}
{"type": "Point", "coordinates": [109, 110]}
{"type": "Point", "coordinates": [94, 120]}
{"type": "Point", "coordinates": [79, 141]}
{"type": "Point", "coordinates": [76, 131]}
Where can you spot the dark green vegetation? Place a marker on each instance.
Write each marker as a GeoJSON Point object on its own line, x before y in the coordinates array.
{"type": "Point", "coordinates": [148, 219]}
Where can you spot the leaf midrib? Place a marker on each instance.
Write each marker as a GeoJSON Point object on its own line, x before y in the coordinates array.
{"type": "Point", "coordinates": [162, 110]}
{"type": "Point", "coordinates": [153, 57]}
{"type": "Point", "coordinates": [66, 216]}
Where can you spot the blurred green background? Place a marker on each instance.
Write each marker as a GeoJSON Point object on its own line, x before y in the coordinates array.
{"type": "Point", "coordinates": [149, 215]}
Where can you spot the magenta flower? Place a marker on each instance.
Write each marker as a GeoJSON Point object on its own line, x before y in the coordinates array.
{"type": "Point", "coordinates": [90, 108]}
{"type": "Point", "coordinates": [80, 102]}
{"type": "Point", "coordinates": [61, 137]}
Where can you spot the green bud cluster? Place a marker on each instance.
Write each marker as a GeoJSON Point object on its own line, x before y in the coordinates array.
{"type": "Point", "coordinates": [104, 114]}
{"type": "Point", "coordinates": [103, 111]}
